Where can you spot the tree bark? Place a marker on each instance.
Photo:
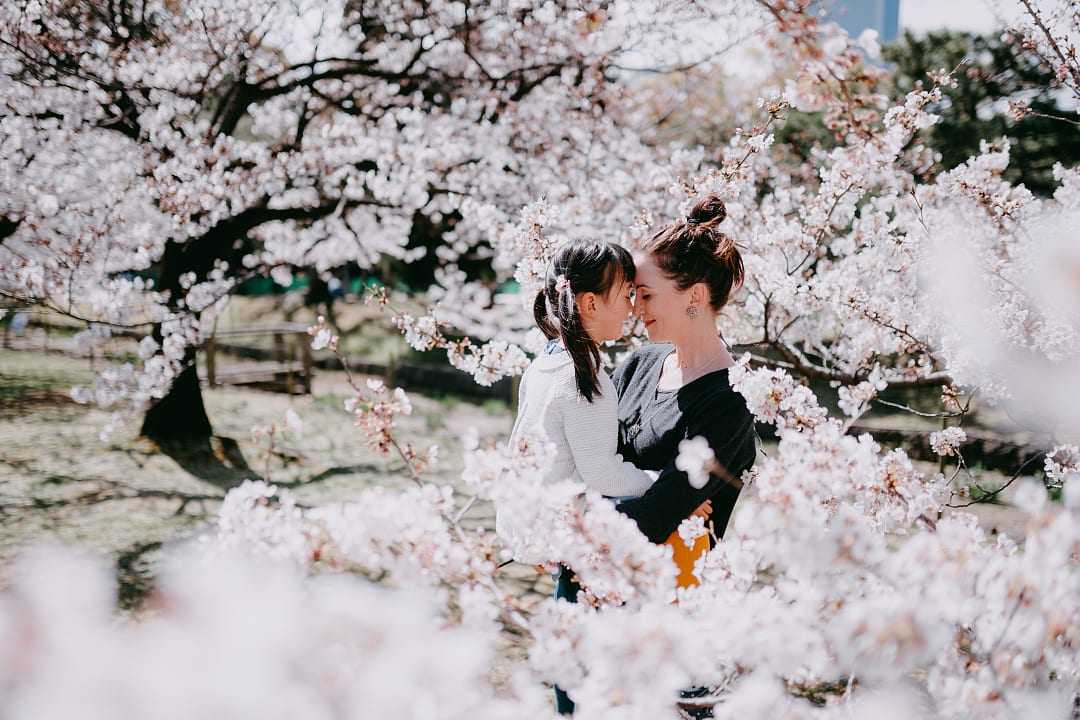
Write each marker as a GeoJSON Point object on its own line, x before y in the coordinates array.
{"type": "Point", "coordinates": [7, 228]}
{"type": "Point", "coordinates": [180, 417]}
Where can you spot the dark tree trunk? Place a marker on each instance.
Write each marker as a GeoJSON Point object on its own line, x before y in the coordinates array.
{"type": "Point", "coordinates": [7, 228]}
{"type": "Point", "coordinates": [180, 417]}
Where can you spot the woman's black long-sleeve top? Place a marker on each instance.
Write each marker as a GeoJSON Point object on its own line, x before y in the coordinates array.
{"type": "Point", "coordinates": [651, 425]}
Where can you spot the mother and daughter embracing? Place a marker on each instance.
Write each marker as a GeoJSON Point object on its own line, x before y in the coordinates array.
{"type": "Point", "coordinates": [620, 435]}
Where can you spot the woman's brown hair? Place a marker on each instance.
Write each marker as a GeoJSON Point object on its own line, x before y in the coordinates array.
{"type": "Point", "coordinates": [694, 250]}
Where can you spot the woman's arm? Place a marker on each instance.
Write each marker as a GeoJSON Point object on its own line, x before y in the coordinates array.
{"type": "Point", "coordinates": [729, 428]}
{"type": "Point", "coordinates": [592, 433]}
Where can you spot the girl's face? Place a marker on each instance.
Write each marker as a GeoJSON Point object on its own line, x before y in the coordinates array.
{"type": "Point", "coordinates": [608, 312]}
{"type": "Point", "coordinates": [659, 303]}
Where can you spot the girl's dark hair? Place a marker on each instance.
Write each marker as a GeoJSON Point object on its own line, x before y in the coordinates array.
{"type": "Point", "coordinates": [580, 267]}
{"type": "Point", "coordinates": [693, 250]}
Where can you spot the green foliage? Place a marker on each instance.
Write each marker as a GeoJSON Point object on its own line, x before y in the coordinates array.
{"type": "Point", "coordinates": [495, 406]}
{"type": "Point", "coordinates": [447, 400]}
{"type": "Point", "coordinates": [993, 72]}
{"type": "Point", "coordinates": [801, 132]}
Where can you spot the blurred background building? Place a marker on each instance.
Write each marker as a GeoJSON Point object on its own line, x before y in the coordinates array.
{"type": "Point", "coordinates": [858, 15]}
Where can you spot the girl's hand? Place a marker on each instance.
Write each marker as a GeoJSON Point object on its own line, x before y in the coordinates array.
{"type": "Point", "coordinates": [704, 510]}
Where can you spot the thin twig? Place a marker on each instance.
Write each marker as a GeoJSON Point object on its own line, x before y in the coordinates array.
{"type": "Point", "coordinates": [920, 413]}
{"type": "Point", "coordinates": [465, 508]}
{"type": "Point", "coordinates": [995, 493]}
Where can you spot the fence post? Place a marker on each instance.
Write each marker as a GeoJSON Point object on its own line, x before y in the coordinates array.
{"type": "Point", "coordinates": [305, 358]}
{"type": "Point", "coordinates": [515, 385]}
{"type": "Point", "coordinates": [391, 371]}
{"type": "Point", "coordinates": [211, 380]}
{"type": "Point", "coordinates": [279, 346]}
{"type": "Point", "coordinates": [290, 381]}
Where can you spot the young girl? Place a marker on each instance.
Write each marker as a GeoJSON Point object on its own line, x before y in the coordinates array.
{"type": "Point", "coordinates": [564, 396]}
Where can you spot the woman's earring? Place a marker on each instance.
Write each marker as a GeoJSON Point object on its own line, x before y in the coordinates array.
{"type": "Point", "coordinates": [693, 311]}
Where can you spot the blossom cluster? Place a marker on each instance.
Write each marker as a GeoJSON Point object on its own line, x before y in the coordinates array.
{"type": "Point", "coordinates": [1062, 464]}
{"type": "Point", "coordinates": [242, 636]}
{"type": "Point", "coordinates": [948, 441]}
{"type": "Point", "coordinates": [486, 363]}
{"type": "Point", "coordinates": [376, 413]}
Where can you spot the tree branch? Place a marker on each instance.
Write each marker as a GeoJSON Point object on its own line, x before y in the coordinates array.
{"type": "Point", "coordinates": [798, 364]}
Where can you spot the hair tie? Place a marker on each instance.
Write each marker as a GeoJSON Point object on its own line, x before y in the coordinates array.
{"type": "Point", "coordinates": [562, 284]}
{"type": "Point", "coordinates": [691, 221]}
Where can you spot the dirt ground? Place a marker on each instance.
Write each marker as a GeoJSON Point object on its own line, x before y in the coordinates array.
{"type": "Point", "coordinates": [123, 497]}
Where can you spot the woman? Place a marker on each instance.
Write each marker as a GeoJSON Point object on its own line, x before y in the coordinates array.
{"type": "Point", "coordinates": [677, 387]}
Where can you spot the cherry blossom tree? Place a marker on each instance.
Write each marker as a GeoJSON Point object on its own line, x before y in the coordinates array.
{"type": "Point", "coordinates": [155, 153]}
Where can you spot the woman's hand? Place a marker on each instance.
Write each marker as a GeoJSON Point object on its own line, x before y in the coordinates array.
{"type": "Point", "coordinates": [704, 510]}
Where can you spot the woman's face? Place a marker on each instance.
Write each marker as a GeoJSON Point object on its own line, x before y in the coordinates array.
{"type": "Point", "coordinates": [658, 302]}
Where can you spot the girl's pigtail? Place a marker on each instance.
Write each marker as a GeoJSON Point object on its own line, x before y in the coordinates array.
{"type": "Point", "coordinates": [582, 350]}
{"type": "Point", "coordinates": [540, 315]}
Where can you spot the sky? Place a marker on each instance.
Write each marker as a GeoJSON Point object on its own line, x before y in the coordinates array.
{"type": "Point", "coordinates": [921, 16]}
{"type": "Point", "coordinates": [749, 62]}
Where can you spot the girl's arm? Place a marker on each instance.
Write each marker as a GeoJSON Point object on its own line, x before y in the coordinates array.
{"type": "Point", "coordinates": [591, 431]}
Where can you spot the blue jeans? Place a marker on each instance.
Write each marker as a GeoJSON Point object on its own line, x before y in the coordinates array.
{"type": "Point", "coordinates": [566, 589]}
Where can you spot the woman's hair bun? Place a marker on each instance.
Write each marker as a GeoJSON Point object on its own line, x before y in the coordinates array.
{"type": "Point", "coordinates": [693, 250]}
{"type": "Point", "coordinates": [707, 210]}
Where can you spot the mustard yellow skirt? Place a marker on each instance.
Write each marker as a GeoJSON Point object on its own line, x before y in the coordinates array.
{"type": "Point", "coordinates": [685, 557]}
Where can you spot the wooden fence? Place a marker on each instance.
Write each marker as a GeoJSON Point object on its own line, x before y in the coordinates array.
{"type": "Point", "coordinates": [289, 363]}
